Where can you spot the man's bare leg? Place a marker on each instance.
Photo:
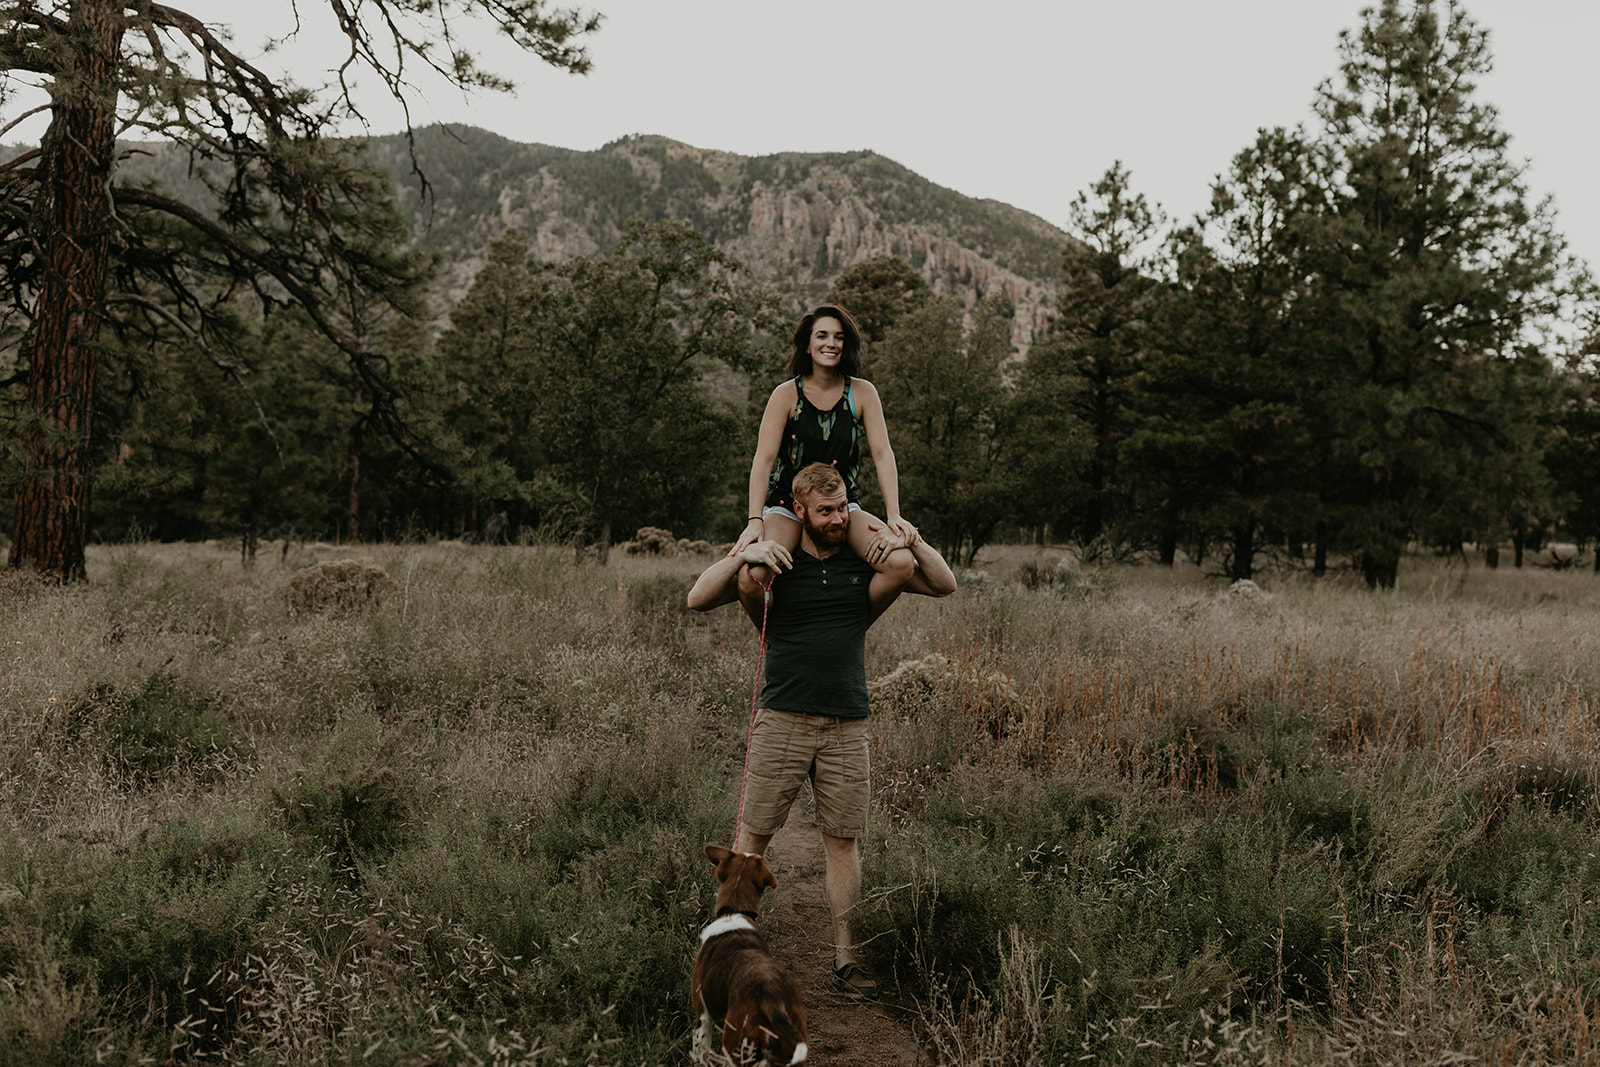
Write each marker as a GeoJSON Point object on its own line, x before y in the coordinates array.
{"type": "Point", "coordinates": [749, 842]}
{"type": "Point", "coordinates": [844, 887]}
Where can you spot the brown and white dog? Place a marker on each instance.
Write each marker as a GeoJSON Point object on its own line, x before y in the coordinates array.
{"type": "Point", "coordinates": [737, 987]}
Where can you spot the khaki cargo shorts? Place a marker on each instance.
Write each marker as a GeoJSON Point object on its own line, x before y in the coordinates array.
{"type": "Point", "coordinates": [788, 748]}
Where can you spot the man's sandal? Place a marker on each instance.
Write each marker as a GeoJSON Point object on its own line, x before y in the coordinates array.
{"type": "Point", "coordinates": [855, 980]}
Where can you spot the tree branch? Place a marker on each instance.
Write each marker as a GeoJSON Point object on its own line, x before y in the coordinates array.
{"type": "Point", "coordinates": [199, 342]}
{"type": "Point", "coordinates": [361, 360]}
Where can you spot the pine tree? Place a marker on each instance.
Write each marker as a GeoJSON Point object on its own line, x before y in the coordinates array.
{"type": "Point", "coordinates": [949, 412]}
{"type": "Point", "coordinates": [294, 215]}
{"type": "Point", "coordinates": [1078, 388]}
{"type": "Point", "coordinates": [487, 404]}
{"type": "Point", "coordinates": [621, 345]}
{"type": "Point", "coordinates": [1440, 274]}
{"type": "Point", "coordinates": [1223, 443]}
{"type": "Point", "coordinates": [879, 292]}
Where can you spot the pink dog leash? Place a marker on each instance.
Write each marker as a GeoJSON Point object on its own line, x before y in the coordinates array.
{"type": "Point", "coordinates": [755, 698]}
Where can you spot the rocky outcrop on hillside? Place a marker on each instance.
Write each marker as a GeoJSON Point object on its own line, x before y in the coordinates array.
{"type": "Point", "coordinates": [796, 220]}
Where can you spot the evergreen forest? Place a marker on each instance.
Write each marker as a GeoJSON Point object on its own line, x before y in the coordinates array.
{"type": "Point", "coordinates": [1372, 342]}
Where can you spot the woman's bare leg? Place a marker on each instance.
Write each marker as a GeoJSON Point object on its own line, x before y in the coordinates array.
{"type": "Point", "coordinates": [894, 568]}
{"type": "Point", "coordinates": [783, 530]}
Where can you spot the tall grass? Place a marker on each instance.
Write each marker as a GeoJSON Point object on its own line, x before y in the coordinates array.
{"type": "Point", "coordinates": [1134, 821]}
{"type": "Point", "coordinates": [1119, 815]}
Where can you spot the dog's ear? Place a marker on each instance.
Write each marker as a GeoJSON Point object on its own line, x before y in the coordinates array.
{"type": "Point", "coordinates": [716, 853]}
{"type": "Point", "coordinates": [766, 880]}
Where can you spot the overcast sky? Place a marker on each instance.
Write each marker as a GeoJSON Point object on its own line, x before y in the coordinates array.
{"type": "Point", "coordinates": [1025, 101]}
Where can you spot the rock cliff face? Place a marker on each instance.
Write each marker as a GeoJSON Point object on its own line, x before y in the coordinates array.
{"type": "Point", "coordinates": [796, 220]}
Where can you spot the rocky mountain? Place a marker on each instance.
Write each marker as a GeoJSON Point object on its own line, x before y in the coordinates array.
{"type": "Point", "coordinates": [795, 219]}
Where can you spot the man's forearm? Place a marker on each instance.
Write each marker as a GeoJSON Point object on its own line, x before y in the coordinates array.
{"type": "Point", "coordinates": [934, 576]}
{"type": "Point", "coordinates": [718, 585]}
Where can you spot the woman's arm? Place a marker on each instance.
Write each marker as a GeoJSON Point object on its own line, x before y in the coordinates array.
{"type": "Point", "coordinates": [882, 456]}
{"type": "Point", "coordinates": [768, 439]}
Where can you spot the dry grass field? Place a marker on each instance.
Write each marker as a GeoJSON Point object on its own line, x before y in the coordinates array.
{"type": "Point", "coordinates": [452, 812]}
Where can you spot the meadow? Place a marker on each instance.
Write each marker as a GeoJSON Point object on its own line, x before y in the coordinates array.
{"type": "Point", "coordinates": [1121, 814]}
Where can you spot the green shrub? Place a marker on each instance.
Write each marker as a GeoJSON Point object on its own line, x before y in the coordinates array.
{"type": "Point", "coordinates": [46, 1016]}
{"type": "Point", "coordinates": [165, 726]}
{"type": "Point", "coordinates": [358, 796]}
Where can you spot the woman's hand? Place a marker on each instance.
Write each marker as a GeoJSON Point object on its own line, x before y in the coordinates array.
{"type": "Point", "coordinates": [768, 554]}
{"type": "Point", "coordinates": [902, 529]}
{"type": "Point", "coordinates": [753, 532]}
{"type": "Point", "coordinates": [888, 535]}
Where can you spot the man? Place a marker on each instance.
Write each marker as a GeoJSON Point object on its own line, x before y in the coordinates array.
{"type": "Point", "coordinates": [811, 721]}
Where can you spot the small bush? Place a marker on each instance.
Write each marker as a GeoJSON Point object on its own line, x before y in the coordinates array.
{"type": "Point", "coordinates": [337, 585]}
{"type": "Point", "coordinates": [652, 541]}
{"type": "Point", "coordinates": [358, 798]}
{"type": "Point", "coordinates": [44, 1015]}
{"type": "Point", "coordinates": [163, 727]}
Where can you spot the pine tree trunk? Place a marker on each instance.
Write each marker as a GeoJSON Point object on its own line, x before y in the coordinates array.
{"type": "Point", "coordinates": [352, 511]}
{"type": "Point", "coordinates": [71, 229]}
{"type": "Point", "coordinates": [1169, 530]}
{"type": "Point", "coordinates": [1244, 528]}
{"type": "Point", "coordinates": [1244, 549]}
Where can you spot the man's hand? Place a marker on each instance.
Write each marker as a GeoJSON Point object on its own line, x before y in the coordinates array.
{"type": "Point", "coordinates": [727, 578]}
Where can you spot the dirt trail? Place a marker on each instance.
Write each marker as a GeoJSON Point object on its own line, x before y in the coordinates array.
{"type": "Point", "coordinates": [843, 1031]}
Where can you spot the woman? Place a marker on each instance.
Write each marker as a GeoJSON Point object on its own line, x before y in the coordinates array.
{"type": "Point", "coordinates": [821, 415]}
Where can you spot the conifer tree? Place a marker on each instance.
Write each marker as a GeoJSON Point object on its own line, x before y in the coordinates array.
{"type": "Point", "coordinates": [486, 406]}
{"type": "Point", "coordinates": [294, 216]}
{"type": "Point", "coordinates": [1440, 274]}
{"type": "Point", "coordinates": [1222, 443]}
{"type": "Point", "coordinates": [619, 347]}
{"type": "Point", "coordinates": [949, 413]}
{"type": "Point", "coordinates": [1078, 389]}
{"type": "Point", "coordinates": [879, 292]}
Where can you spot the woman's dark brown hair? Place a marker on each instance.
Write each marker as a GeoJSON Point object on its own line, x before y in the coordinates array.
{"type": "Point", "coordinates": [850, 358]}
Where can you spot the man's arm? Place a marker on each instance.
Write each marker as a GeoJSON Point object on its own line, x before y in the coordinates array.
{"type": "Point", "coordinates": [726, 580]}
{"type": "Point", "coordinates": [932, 577]}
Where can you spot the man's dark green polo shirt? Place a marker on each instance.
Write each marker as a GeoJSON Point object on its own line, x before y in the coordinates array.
{"type": "Point", "coordinates": [817, 636]}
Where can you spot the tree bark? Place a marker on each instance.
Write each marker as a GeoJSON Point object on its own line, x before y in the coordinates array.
{"type": "Point", "coordinates": [71, 232]}
{"type": "Point", "coordinates": [1168, 542]}
{"type": "Point", "coordinates": [352, 511]}
{"type": "Point", "coordinates": [1244, 548]}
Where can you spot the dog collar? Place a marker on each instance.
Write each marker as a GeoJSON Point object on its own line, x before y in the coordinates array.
{"type": "Point", "coordinates": [725, 925]}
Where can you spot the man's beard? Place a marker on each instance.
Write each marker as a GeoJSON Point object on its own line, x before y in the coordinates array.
{"type": "Point", "coordinates": [831, 536]}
